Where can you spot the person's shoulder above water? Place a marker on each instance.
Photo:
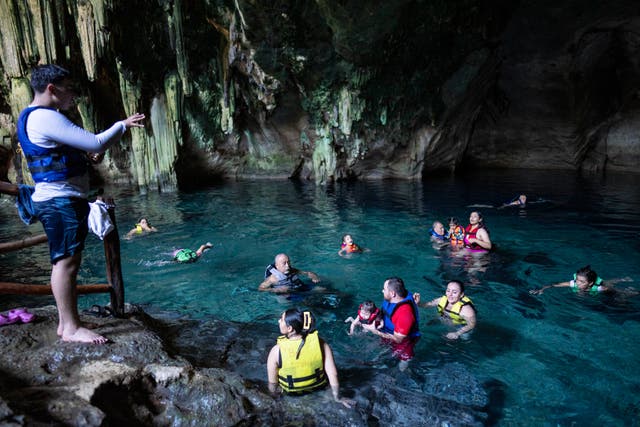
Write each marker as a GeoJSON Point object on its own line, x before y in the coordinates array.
{"type": "Point", "coordinates": [348, 246]}
{"type": "Point", "coordinates": [140, 228]}
{"type": "Point", "coordinates": [585, 280]}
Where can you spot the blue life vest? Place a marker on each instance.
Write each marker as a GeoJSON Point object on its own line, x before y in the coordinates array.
{"type": "Point", "coordinates": [389, 308]}
{"type": "Point", "coordinates": [436, 235]}
{"type": "Point", "coordinates": [49, 164]}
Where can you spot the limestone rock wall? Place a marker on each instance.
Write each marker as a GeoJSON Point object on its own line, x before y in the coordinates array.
{"type": "Point", "coordinates": [334, 90]}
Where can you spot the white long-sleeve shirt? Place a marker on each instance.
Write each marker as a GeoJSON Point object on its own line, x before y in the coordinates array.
{"type": "Point", "coordinates": [49, 128]}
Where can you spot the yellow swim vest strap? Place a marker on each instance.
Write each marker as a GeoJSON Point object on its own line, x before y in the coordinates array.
{"type": "Point", "coordinates": [301, 372]}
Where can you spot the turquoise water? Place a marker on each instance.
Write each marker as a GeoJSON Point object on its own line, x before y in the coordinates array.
{"type": "Point", "coordinates": [554, 359]}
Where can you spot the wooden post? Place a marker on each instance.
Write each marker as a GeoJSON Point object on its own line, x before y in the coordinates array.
{"type": "Point", "coordinates": [24, 243]}
{"type": "Point", "coordinates": [9, 188]}
{"type": "Point", "coordinates": [114, 268]}
{"type": "Point", "coordinates": [29, 289]}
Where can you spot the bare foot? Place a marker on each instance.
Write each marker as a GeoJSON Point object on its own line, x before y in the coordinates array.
{"type": "Point", "coordinates": [88, 325]}
{"type": "Point", "coordinates": [84, 335]}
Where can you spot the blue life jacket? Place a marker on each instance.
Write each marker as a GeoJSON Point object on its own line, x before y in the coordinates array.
{"type": "Point", "coordinates": [49, 164]}
{"type": "Point", "coordinates": [436, 235]}
{"type": "Point", "coordinates": [389, 308]}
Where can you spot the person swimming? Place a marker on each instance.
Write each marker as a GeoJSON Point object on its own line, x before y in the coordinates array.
{"type": "Point", "coordinates": [585, 280]}
{"type": "Point", "coordinates": [348, 246]}
{"type": "Point", "coordinates": [141, 227]}
{"type": "Point", "coordinates": [186, 255]}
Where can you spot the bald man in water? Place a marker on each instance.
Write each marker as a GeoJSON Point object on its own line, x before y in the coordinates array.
{"type": "Point", "coordinates": [281, 277]}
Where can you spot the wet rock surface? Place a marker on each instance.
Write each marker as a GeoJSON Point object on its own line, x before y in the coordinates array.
{"type": "Point", "coordinates": [183, 372]}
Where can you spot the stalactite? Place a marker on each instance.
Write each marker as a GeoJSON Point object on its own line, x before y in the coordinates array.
{"type": "Point", "coordinates": [182, 60]}
{"type": "Point", "coordinates": [11, 38]}
{"type": "Point", "coordinates": [324, 157]}
{"type": "Point", "coordinates": [86, 25]}
{"type": "Point", "coordinates": [175, 99]}
{"type": "Point", "coordinates": [44, 29]}
{"type": "Point", "coordinates": [350, 109]}
{"type": "Point", "coordinates": [131, 94]}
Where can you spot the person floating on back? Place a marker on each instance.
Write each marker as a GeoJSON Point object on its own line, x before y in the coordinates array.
{"type": "Point", "coordinates": [585, 280]}
{"type": "Point", "coordinates": [186, 256]}
{"type": "Point", "coordinates": [520, 201]}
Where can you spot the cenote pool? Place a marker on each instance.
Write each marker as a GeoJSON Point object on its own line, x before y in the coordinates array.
{"type": "Point", "coordinates": [554, 359]}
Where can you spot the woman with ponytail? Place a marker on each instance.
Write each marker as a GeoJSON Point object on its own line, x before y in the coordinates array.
{"type": "Point", "coordinates": [301, 362]}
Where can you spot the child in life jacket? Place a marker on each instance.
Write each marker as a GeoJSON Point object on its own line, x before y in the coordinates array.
{"type": "Point", "coordinates": [368, 314]}
{"type": "Point", "coordinates": [186, 255]}
{"type": "Point", "coordinates": [455, 233]}
{"type": "Point", "coordinates": [348, 246]}
{"type": "Point", "coordinates": [141, 227]}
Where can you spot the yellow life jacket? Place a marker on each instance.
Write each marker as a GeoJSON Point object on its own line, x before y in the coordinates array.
{"type": "Point", "coordinates": [305, 372]}
{"type": "Point", "coordinates": [454, 311]}
{"type": "Point", "coordinates": [138, 229]}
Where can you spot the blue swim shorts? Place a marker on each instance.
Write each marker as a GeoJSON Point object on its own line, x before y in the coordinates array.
{"type": "Point", "coordinates": [64, 220]}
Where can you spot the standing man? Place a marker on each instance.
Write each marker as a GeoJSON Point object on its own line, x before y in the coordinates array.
{"type": "Point", "coordinates": [400, 320]}
{"type": "Point", "coordinates": [56, 153]}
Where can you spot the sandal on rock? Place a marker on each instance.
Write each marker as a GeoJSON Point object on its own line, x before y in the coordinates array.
{"type": "Point", "coordinates": [20, 314]}
{"type": "Point", "coordinates": [4, 320]}
{"type": "Point", "coordinates": [98, 311]}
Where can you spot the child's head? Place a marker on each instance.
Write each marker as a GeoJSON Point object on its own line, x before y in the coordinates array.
{"type": "Point", "coordinates": [347, 239]}
{"type": "Point", "coordinates": [366, 309]}
{"type": "Point", "coordinates": [585, 277]}
{"type": "Point", "coordinates": [522, 198]}
{"type": "Point", "coordinates": [453, 222]}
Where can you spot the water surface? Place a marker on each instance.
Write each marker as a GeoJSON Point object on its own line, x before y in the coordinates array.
{"type": "Point", "coordinates": [555, 359]}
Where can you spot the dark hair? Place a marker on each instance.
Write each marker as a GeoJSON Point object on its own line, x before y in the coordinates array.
{"type": "Point", "coordinates": [302, 322]}
{"type": "Point", "coordinates": [453, 220]}
{"type": "Point", "coordinates": [481, 223]}
{"type": "Point", "coordinates": [369, 306]}
{"type": "Point", "coordinates": [397, 285]}
{"type": "Point", "coordinates": [459, 284]}
{"type": "Point", "coordinates": [587, 272]}
{"type": "Point", "coordinates": [42, 75]}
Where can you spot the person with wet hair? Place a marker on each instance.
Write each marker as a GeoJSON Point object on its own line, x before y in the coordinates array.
{"type": "Point", "coordinates": [454, 307]}
{"type": "Point", "coordinates": [400, 330]}
{"type": "Point", "coordinates": [141, 227]}
{"type": "Point", "coordinates": [282, 277]}
{"type": "Point", "coordinates": [476, 235]}
{"type": "Point", "coordinates": [585, 280]}
{"type": "Point", "coordinates": [301, 362]}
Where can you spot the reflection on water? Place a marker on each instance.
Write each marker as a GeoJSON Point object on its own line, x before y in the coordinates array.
{"type": "Point", "coordinates": [545, 360]}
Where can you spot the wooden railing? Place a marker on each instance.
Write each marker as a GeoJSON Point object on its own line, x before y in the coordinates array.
{"type": "Point", "coordinates": [115, 287]}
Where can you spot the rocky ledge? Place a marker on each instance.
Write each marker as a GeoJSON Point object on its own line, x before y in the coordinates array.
{"type": "Point", "coordinates": [155, 373]}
